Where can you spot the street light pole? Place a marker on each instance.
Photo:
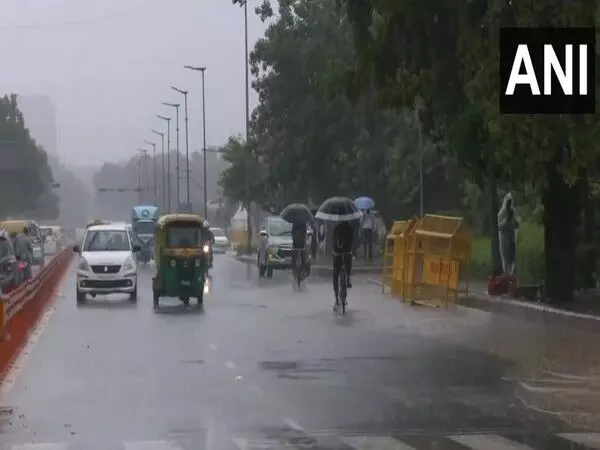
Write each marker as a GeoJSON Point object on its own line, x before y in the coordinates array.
{"type": "Point", "coordinates": [203, 69]}
{"type": "Point", "coordinates": [142, 175]}
{"type": "Point", "coordinates": [249, 220]}
{"type": "Point", "coordinates": [176, 106]}
{"type": "Point", "coordinates": [162, 152]}
{"type": "Point", "coordinates": [187, 145]}
{"type": "Point", "coordinates": [168, 120]}
{"type": "Point", "coordinates": [153, 169]}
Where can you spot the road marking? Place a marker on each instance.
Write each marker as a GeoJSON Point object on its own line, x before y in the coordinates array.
{"type": "Point", "coordinates": [376, 443]}
{"type": "Point", "coordinates": [231, 365]}
{"type": "Point", "coordinates": [17, 367]}
{"type": "Point", "coordinates": [488, 442]}
{"type": "Point", "coordinates": [591, 440]}
{"type": "Point", "coordinates": [293, 424]}
{"type": "Point", "coordinates": [42, 446]}
{"type": "Point", "coordinates": [152, 445]}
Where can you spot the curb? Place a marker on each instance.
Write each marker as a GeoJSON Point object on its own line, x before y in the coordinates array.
{"type": "Point", "coordinates": [497, 304]}
{"type": "Point", "coordinates": [29, 310]}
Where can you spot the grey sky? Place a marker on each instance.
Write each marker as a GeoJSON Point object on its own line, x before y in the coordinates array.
{"type": "Point", "coordinates": [107, 65]}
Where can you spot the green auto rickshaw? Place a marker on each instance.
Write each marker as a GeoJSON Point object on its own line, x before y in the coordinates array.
{"type": "Point", "coordinates": [182, 258]}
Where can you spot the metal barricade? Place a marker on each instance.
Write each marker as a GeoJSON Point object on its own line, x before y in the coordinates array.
{"type": "Point", "coordinates": [441, 259]}
{"type": "Point", "coordinates": [402, 259]}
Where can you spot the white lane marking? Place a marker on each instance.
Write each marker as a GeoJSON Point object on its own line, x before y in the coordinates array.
{"type": "Point", "coordinates": [42, 446]}
{"type": "Point", "coordinates": [152, 445]}
{"type": "Point", "coordinates": [230, 365]}
{"type": "Point", "coordinates": [488, 442]}
{"type": "Point", "coordinates": [591, 440]}
{"type": "Point", "coordinates": [293, 424]}
{"type": "Point", "coordinates": [213, 347]}
{"type": "Point", "coordinates": [17, 367]}
{"type": "Point", "coordinates": [376, 443]}
{"type": "Point", "coordinates": [566, 390]}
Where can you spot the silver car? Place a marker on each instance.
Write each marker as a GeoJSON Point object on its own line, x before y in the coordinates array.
{"type": "Point", "coordinates": [221, 244]}
{"type": "Point", "coordinates": [275, 249]}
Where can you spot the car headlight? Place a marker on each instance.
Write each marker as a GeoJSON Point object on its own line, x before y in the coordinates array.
{"type": "Point", "coordinates": [128, 266]}
{"type": "Point", "coordinates": [83, 265]}
{"type": "Point", "coordinates": [197, 263]}
{"type": "Point", "coordinates": [206, 248]}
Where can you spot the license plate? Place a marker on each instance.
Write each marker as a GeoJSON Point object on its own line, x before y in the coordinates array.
{"type": "Point", "coordinates": [185, 283]}
{"type": "Point", "coordinates": [106, 277]}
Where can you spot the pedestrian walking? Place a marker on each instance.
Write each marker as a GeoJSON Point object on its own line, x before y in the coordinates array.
{"type": "Point", "coordinates": [368, 233]}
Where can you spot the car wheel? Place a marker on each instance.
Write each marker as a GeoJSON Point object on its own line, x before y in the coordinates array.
{"type": "Point", "coordinates": [200, 298]}
{"type": "Point", "coordinates": [133, 296]}
{"type": "Point", "coordinates": [80, 297]}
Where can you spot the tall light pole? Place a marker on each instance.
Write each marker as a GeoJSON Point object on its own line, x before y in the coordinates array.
{"type": "Point", "coordinates": [153, 168]}
{"type": "Point", "coordinates": [248, 156]}
{"type": "Point", "coordinates": [203, 69]}
{"type": "Point", "coordinates": [176, 106]}
{"type": "Point", "coordinates": [168, 120]}
{"type": "Point", "coordinates": [162, 152]}
{"type": "Point", "coordinates": [143, 175]}
{"type": "Point", "coordinates": [187, 146]}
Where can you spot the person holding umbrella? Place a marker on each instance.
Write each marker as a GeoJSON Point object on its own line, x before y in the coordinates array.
{"type": "Point", "coordinates": [345, 216]}
{"type": "Point", "coordinates": [366, 204]}
{"type": "Point", "coordinates": [300, 217]}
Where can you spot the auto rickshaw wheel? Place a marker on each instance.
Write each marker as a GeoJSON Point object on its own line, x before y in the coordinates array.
{"type": "Point", "coordinates": [186, 301]}
{"type": "Point", "coordinates": [155, 299]}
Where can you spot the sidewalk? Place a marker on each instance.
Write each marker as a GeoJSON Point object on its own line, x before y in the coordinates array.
{"type": "Point", "coordinates": [583, 312]}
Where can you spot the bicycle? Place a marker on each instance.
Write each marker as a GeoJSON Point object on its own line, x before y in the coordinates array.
{"type": "Point", "coordinates": [299, 270]}
{"type": "Point", "coordinates": [342, 284]}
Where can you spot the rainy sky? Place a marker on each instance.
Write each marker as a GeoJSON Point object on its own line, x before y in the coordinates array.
{"type": "Point", "coordinates": [107, 66]}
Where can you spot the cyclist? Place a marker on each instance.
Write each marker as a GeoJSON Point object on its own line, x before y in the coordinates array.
{"type": "Point", "coordinates": [343, 235]}
{"type": "Point", "coordinates": [298, 244]}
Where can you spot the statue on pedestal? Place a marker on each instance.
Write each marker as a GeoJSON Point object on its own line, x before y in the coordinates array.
{"type": "Point", "coordinates": [508, 223]}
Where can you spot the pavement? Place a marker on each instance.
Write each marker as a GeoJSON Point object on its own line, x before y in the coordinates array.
{"type": "Point", "coordinates": [263, 366]}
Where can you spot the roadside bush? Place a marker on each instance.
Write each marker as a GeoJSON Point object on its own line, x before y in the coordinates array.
{"type": "Point", "coordinates": [530, 255]}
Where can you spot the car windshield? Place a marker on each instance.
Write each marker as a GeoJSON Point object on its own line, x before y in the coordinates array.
{"type": "Point", "coordinates": [217, 232]}
{"type": "Point", "coordinates": [182, 236]}
{"type": "Point", "coordinates": [145, 227]}
{"type": "Point", "coordinates": [279, 227]}
{"type": "Point", "coordinates": [106, 241]}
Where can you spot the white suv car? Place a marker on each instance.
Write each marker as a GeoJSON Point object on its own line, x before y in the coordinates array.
{"type": "Point", "coordinates": [106, 264]}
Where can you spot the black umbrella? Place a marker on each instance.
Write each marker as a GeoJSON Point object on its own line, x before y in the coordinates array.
{"type": "Point", "coordinates": [338, 209]}
{"type": "Point", "coordinates": [297, 213]}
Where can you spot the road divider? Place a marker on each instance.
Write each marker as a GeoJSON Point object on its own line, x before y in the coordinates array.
{"type": "Point", "coordinates": [21, 309]}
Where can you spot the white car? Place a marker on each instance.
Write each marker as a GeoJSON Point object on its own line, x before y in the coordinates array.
{"type": "Point", "coordinates": [221, 244]}
{"type": "Point", "coordinates": [106, 263]}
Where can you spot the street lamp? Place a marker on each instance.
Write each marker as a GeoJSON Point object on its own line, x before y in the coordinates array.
{"type": "Point", "coordinates": [162, 151]}
{"type": "Point", "coordinates": [168, 120]}
{"type": "Point", "coordinates": [203, 69]}
{"type": "Point", "coordinates": [143, 157]}
{"type": "Point", "coordinates": [153, 168]}
{"type": "Point", "coordinates": [187, 144]}
{"type": "Point", "coordinates": [176, 106]}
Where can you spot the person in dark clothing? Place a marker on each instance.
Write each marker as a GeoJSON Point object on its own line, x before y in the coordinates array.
{"type": "Point", "coordinates": [298, 243]}
{"type": "Point", "coordinates": [343, 236]}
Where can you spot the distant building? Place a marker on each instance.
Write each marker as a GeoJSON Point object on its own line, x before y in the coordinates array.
{"type": "Point", "coordinates": [39, 114]}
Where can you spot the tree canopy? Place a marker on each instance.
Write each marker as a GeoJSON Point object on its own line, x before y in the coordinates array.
{"type": "Point", "coordinates": [25, 176]}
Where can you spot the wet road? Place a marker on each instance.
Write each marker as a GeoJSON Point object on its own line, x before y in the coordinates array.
{"type": "Point", "coordinates": [262, 366]}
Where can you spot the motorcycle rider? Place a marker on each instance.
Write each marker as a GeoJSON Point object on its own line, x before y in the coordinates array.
{"type": "Point", "coordinates": [24, 249]}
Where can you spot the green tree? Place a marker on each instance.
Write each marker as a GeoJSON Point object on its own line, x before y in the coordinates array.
{"type": "Point", "coordinates": [26, 178]}
{"type": "Point", "coordinates": [445, 55]}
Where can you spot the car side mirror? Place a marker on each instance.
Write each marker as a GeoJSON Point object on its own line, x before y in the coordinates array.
{"type": "Point", "coordinates": [136, 248]}
{"type": "Point", "coordinates": [76, 249]}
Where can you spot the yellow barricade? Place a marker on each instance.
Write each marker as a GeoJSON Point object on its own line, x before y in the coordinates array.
{"type": "Point", "coordinates": [401, 273]}
{"type": "Point", "coordinates": [439, 261]}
